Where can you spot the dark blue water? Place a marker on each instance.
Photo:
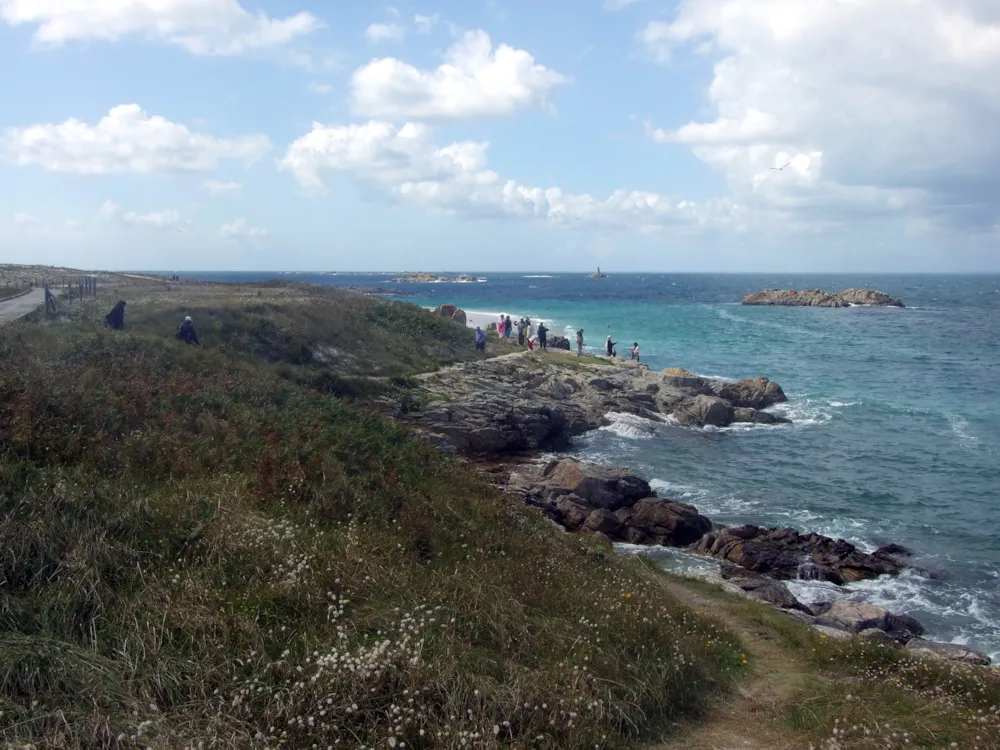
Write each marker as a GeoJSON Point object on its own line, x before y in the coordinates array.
{"type": "Point", "coordinates": [897, 415]}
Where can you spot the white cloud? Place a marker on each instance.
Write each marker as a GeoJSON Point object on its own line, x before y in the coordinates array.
{"type": "Point", "coordinates": [320, 88]}
{"type": "Point", "coordinates": [22, 218]}
{"type": "Point", "coordinates": [217, 188]}
{"type": "Point", "coordinates": [384, 32]}
{"type": "Point", "coordinates": [475, 80]}
{"type": "Point", "coordinates": [154, 219]}
{"type": "Point", "coordinates": [203, 27]}
{"type": "Point", "coordinates": [425, 23]}
{"type": "Point", "coordinates": [241, 231]}
{"type": "Point", "coordinates": [456, 179]}
{"type": "Point", "coordinates": [883, 107]}
{"type": "Point", "coordinates": [127, 139]}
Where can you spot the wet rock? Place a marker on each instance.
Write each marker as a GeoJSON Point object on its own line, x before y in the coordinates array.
{"type": "Point", "coordinates": [595, 486]}
{"type": "Point", "coordinates": [871, 297]}
{"type": "Point", "coordinates": [948, 652]}
{"type": "Point", "coordinates": [705, 410]}
{"type": "Point", "coordinates": [786, 554]}
{"type": "Point", "coordinates": [763, 588]}
{"type": "Point", "coordinates": [669, 522]}
{"type": "Point", "coordinates": [857, 617]}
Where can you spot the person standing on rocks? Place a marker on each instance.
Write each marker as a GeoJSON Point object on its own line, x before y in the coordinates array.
{"type": "Point", "coordinates": [543, 332]}
{"type": "Point", "coordinates": [609, 347]}
{"type": "Point", "coordinates": [507, 328]}
{"type": "Point", "coordinates": [520, 332]}
{"type": "Point", "coordinates": [579, 343]}
{"type": "Point", "coordinates": [635, 352]}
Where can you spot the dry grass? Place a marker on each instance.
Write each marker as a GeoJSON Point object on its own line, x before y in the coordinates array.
{"type": "Point", "coordinates": [201, 549]}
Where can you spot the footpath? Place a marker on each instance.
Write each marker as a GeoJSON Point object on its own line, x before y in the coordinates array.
{"type": "Point", "coordinates": [12, 309]}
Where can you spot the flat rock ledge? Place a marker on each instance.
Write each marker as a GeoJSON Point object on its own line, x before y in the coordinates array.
{"type": "Point", "coordinates": [615, 504]}
{"type": "Point", "coordinates": [526, 404]}
{"type": "Point", "coordinates": [820, 298]}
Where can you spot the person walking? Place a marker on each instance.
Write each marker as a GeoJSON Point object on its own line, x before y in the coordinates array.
{"type": "Point", "coordinates": [579, 343]}
{"type": "Point", "coordinates": [480, 340]}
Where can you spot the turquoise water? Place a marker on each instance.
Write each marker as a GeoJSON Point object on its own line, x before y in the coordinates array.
{"type": "Point", "coordinates": [896, 415]}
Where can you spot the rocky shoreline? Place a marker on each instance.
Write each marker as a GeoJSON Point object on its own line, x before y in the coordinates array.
{"type": "Point", "coordinates": [820, 298]}
{"type": "Point", "coordinates": [508, 410]}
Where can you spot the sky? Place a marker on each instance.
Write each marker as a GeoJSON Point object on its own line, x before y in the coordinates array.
{"type": "Point", "coordinates": [506, 135]}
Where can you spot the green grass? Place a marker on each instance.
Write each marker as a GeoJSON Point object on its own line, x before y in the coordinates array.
{"type": "Point", "coordinates": [199, 547]}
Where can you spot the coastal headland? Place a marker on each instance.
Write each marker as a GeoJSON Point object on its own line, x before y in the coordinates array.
{"type": "Point", "coordinates": [332, 524]}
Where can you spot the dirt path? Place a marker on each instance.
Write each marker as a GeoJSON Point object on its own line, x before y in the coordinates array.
{"type": "Point", "coordinates": [12, 309]}
{"type": "Point", "coordinates": [746, 719]}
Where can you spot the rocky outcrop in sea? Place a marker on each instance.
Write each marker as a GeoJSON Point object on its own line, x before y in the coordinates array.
{"type": "Point", "coordinates": [522, 404]}
{"type": "Point", "coordinates": [819, 298]}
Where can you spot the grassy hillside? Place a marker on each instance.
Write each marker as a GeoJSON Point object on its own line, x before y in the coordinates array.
{"type": "Point", "coordinates": [198, 551]}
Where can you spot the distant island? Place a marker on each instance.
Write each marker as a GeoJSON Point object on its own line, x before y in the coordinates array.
{"type": "Point", "coordinates": [819, 298]}
{"type": "Point", "coordinates": [422, 277]}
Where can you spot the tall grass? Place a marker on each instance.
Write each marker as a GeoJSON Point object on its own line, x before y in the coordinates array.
{"type": "Point", "coordinates": [196, 551]}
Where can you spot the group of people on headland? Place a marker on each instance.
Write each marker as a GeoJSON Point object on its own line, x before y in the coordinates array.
{"type": "Point", "coordinates": [529, 335]}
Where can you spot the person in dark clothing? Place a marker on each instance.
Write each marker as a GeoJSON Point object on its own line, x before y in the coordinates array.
{"type": "Point", "coordinates": [521, 325]}
{"type": "Point", "coordinates": [116, 318]}
{"type": "Point", "coordinates": [186, 332]}
{"type": "Point", "coordinates": [543, 332]}
{"type": "Point", "coordinates": [609, 347]}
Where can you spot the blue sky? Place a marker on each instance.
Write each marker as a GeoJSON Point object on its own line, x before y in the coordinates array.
{"type": "Point", "coordinates": [638, 135]}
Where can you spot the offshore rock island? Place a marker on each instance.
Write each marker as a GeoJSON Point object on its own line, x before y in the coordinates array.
{"type": "Point", "coordinates": [819, 298]}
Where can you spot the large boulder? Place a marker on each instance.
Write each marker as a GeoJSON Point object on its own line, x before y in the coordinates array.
{"type": "Point", "coordinates": [948, 652]}
{"type": "Point", "coordinates": [451, 312]}
{"type": "Point", "coordinates": [668, 522]}
{"type": "Point", "coordinates": [558, 342]}
{"type": "Point", "coordinates": [754, 393]}
{"type": "Point", "coordinates": [786, 554]}
{"type": "Point", "coordinates": [592, 486]}
{"type": "Point", "coordinates": [762, 588]}
{"type": "Point", "coordinates": [705, 410]}
{"type": "Point", "coordinates": [857, 617]}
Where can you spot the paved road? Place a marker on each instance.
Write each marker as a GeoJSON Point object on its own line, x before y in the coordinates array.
{"type": "Point", "coordinates": [13, 309]}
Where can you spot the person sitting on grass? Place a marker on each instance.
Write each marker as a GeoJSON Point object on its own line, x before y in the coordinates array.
{"type": "Point", "coordinates": [116, 318]}
{"type": "Point", "coordinates": [186, 332]}
{"type": "Point", "coordinates": [480, 340]}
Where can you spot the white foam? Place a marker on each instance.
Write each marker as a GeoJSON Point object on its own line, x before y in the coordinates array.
{"type": "Point", "coordinates": [843, 404]}
{"type": "Point", "coordinates": [803, 412]}
{"type": "Point", "coordinates": [960, 426]}
{"type": "Point", "coordinates": [631, 426]}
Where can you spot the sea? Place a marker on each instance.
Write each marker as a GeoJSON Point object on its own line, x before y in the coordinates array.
{"type": "Point", "coordinates": [896, 415]}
